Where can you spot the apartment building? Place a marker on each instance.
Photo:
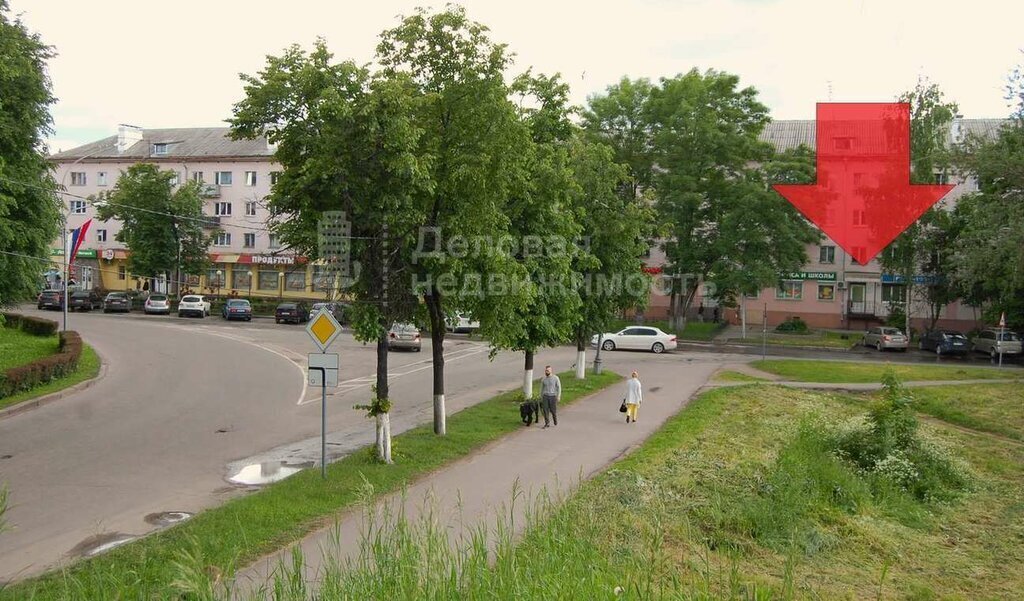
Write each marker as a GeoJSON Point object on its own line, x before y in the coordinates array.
{"type": "Point", "coordinates": [833, 290]}
{"type": "Point", "coordinates": [236, 175]}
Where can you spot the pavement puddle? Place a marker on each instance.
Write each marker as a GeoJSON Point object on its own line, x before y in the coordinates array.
{"type": "Point", "coordinates": [268, 472]}
{"type": "Point", "coordinates": [100, 543]}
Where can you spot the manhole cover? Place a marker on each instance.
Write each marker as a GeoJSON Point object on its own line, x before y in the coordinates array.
{"type": "Point", "coordinates": [259, 474]}
{"type": "Point", "coordinates": [167, 518]}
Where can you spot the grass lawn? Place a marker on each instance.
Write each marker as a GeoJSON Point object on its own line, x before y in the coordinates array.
{"type": "Point", "coordinates": [245, 528]}
{"type": "Point", "coordinates": [88, 367]}
{"type": "Point", "coordinates": [997, 408]}
{"type": "Point", "coordinates": [695, 330]}
{"type": "Point", "coordinates": [18, 348]}
{"type": "Point", "coordinates": [851, 372]}
{"type": "Point", "coordinates": [736, 376]}
{"type": "Point", "coordinates": [817, 339]}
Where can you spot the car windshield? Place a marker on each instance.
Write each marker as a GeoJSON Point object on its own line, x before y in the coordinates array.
{"type": "Point", "coordinates": [238, 303]}
{"type": "Point", "coordinates": [287, 306]}
{"type": "Point", "coordinates": [403, 327]}
{"type": "Point", "coordinates": [954, 336]}
{"type": "Point", "coordinates": [158, 297]}
{"type": "Point", "coordinates": [80, 295]}
{"type": "Point", "coordinates": [890, 331]}
{"type": "Point", "coordinates": [190, 299]}
{"type": "Point", "coordinates": [1009, 337]}
{"type": "Point", "coordinates": [116, 296]}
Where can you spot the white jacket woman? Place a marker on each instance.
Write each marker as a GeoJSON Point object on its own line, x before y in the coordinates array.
{"type": "Point", "coordinates": [634, 396]}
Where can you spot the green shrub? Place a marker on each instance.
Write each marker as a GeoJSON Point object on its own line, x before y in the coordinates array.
{"type": "Point", "coordinates": [36, 326]}
{"type": "Point", "coordinates": [43, 370]}
{"type": "Point", "coordinates": [793, 325]}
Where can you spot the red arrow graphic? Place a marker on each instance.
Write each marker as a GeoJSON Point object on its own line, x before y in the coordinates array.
{"type": "Point", "coordinates": [863, 198]}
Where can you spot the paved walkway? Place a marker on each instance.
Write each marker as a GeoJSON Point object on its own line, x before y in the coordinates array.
{"type": "Point", "coordinates": [474, 491]}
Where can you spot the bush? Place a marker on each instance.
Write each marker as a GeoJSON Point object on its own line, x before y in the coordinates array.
{"type": "Point", "coordinates": [793, 325]}
{"type": "Point", "coordinates": [43, 370]}
{"type": "Point", "coordinates": [36, 326]}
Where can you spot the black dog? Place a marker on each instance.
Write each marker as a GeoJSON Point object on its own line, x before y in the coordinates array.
{"type": "Point", "coordinates": [529, 411]}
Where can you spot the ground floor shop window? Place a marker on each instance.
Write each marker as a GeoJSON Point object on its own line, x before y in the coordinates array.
{"type": "Point", "coordinates": [894, 293]}
{"type": "Point", "coordinates": [268, 280]}
{"type": "Point", "coordinates": [215, 278]}
{"type": "Point", "coordinates": [241, 279]}
{"type": "Point", "coordinates": [323, 280]}
{"type": "Point", "coordinates": [790, 290]}
{"type": "Point", "coordinates": [295, 281]}
{"type": "Point", "coordinates": [826, 292]}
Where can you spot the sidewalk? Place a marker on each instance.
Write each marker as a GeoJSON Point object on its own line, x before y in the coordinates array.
{"type": "Point", "coordinates": [474, 491]}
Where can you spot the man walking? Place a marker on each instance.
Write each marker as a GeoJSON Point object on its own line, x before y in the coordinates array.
{"type": "Point", "coordinates": [550, 394]}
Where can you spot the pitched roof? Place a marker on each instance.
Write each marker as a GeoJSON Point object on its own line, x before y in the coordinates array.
{"type": "Point", "coordinates": [182, 143]}
{"type": "Point", "coordinates": [791, 133]}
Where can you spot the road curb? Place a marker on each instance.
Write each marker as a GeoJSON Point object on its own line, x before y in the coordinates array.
{"type": "Point", "coordinates": [56, 396]}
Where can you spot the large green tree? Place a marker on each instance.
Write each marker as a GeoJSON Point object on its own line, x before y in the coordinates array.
{"type": "Point", "coordinates": [162, 223]}
{"type": "Point", "coordinates": [347, 140]}
{"type": "Point", "coordinates": [29, 209]}
{"type": "Point", "coordinates": [619, 118]}
{"type": "Point", "coordinates": [478, 148]}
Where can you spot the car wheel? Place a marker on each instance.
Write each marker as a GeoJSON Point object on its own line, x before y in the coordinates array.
{"type": "Point", "coordinates": [658, 348]}
{"type": "Point", "coordinates": [938, 351]}
{"type": "Point", "coordinates": [993, 354]}
{"type": "Point", "coordinates": [248, 319]}
{"type": "Point", "coordinates": [277, 321]}
{"type": "Point", "coordinates": [608, 345]}
{"type": "Point", "coordinates": [106, 310]}
{"type": "Point", "coordinates": [878, 345]}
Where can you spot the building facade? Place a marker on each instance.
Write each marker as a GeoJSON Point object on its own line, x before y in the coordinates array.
{"type": "Point", "coordinates": [833, 290]}
{"type": "Point", "coordinates": [246, 258]}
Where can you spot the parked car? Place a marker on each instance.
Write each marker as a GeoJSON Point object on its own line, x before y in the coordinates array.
{"type": "Point", "coordinates": [237, 308]}
{"type": "Point", "coordinates": [643, 338]}
{"type": "Point", "coordinates": [117, 301]}
{"type": "Point", "coordinates": [994, 342]}
{"type": "Point", "coordinates": [337, 310]}
{"type": "Point", "coordinates": [404, 336]}
{"type": "Point", "coordinates": [50, 299]}
{"type": "Point", "coordinates": [945, 342]}
{"type": "Point", "coordinates": [291, 313]}
{"type": "Point", "coordinates": [85, 300]}
{"type": "Point", "coordinates": [193, 304]}
{"type": "Point", "coordinates": [885, 338]}
{"type": "Point", "coordinates": [157, 304]}
{"type": "Point", "coordinates": [462, 323]}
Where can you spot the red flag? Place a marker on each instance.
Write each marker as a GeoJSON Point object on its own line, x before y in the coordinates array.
{"type": "Point", "coordinates": [77, 237]}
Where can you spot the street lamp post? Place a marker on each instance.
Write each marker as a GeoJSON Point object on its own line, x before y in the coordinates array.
{"type": "Point", "coordinates": [280, 285]}
{"type": "Point", "coordinates": [220, 274]}
{"type": "Point", "coordinates": [250, 282]}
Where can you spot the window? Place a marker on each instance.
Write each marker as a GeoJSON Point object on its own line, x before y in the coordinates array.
{"type": "Point", "coordinates": [240, 278]}
{"type": "Point", "coordinates": [222, 208]}
{"type": "Point", "coordinates": [101, 235]}
{"type": "Point", "coordinates": [78, 207]}
{"type": "Point", "coordinates": [859, 217]}
{"type": "Point", "coordinates": [827, 254]}
{"type": "Point", "coordinates": [274, 241]}
{"type": "Point", "coordinates": [857, 251]}
{"type": "Point", "coordinates": [826, 292]}
{"type": "Point", "coordinates": [941, 178]}
{"type": "Point", "coordinates": [274, 176]}
{"type": "Point", "coordinates": [893, 293]}
{"type": "Point", "coordinates": [249, 240]}
{"type": "Point", "coordinates": [222, 239]}
{"type": "Point", "coordinates": [790, 290]}
{"type": "Point", "coordinates": [101, 178]}
{"type": "Point", "coordinates": [77, 178]}
{"type": "Point", "coordinates": [323, 280]}
{"type": "Point", "coordinates": [197, 176]}
{"type": "Point", "coordinates": [213, 279]}
{"type": "Point", "coordinates": [250, 178]}
{"type": "Point", "coordinates": [250, 208]}
{"type": "Point", "coordinates": [175, 179]}
{"type": "Point", "coordinates": [844, 143]}
{"type": "Point", "coordinates": [223, 178]}
{"type": "Point", "coordinates": [122, 272]}
{"type": "Point", "coordinates": [295, 280]}
{"type": "Point", "coordinates": [268, 280]}
{"type": "Point", "coordinates": [160, 149]}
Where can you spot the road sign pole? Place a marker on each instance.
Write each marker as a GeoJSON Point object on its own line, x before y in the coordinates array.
{"type": "Point", "coordinates": [764, 333]}
{"type": "Point", "coordinates": [323, 419]}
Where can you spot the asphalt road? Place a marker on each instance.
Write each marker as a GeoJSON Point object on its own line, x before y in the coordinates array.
{"type": "Point", "coordinates": [184, 405]}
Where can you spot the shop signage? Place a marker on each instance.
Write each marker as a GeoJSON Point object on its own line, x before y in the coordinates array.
{"type": "Point", "coordinates": [82, 253]}
{"type": "Point", "coordinates": [921, 280]}
{"type": "Point", "coordinates": [272, 260]}
{"type": "Point", "coordinates": [821, 276]}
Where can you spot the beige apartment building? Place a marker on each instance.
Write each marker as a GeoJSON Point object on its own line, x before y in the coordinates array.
{"type": "Point", "coordinates": [246, 258]}
{"type": "Point", "coordinates": [832, 290]}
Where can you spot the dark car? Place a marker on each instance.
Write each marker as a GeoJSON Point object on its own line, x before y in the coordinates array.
{"type": "Point", "coordinates": [51, 299]}
{"type": "Point", "coordinates": [237, 308]}
{"type": "Point", "coordinates": [291, 313]}
{"type": "Point", "coordinates": [945, 342]}
{"type": "Point", "coordinates": [84, 300]}
{"type": "Point", "coordinates": [117, 301]}
{"type": "Point", "coordinates": [338, 310]}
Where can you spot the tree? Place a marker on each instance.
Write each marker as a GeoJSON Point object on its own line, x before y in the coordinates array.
{"type": "Point", "coordinates": [988, 255]}
{"type": "Point", "coordinates": [347, 140]}
{"type": "Point", "coordinates": [161, 225]}
{"type": "Point", "coordinates": [619, 118]}
{"type": "Point", "coordinates": [722, 218]}
{"type": "Point", "coordinates": [29, 209]}
{"type": "Point", "coordinates": [920, 248]}
{"type": "Point", "coordinates": [477, 148]}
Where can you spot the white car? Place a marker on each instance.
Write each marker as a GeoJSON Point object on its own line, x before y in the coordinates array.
{"type": "Point", "coordinates": [157, 304]}
{"type": "Point", "coordinates": [193, 304]}
{"type": "Point", "coordinates": [462, 323]}
{"type": "Point", "coordinates": [641, 338]}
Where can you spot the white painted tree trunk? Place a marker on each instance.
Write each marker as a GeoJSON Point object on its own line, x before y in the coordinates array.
{"type": "Point", "coordinates": [440, 427]}
{"type": "Point", "coordinates": [384, 437]}
{"type": "Point", "coordinates": [743, 314]}
{"type": "Point", "coordinates": [581, 364]}
{"type": "Point", "coordinates": [528, 384]}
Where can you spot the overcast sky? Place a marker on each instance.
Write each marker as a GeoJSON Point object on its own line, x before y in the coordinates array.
{"type": "Point", "coordinates": [176, 64]}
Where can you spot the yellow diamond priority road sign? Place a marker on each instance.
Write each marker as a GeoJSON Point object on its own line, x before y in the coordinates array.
{"type": "Point", "coordinates": [323, 328]}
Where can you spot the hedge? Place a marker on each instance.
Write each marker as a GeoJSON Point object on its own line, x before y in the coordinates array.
{"type": "Point", "coordinates": [41, 371]}
{"type": "Point", "coordinates": [35, 326]}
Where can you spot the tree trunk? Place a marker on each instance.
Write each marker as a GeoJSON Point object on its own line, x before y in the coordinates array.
{"type": "Point", "coordinates": [528, 375]}
{"type": "Point", "coordinates": [743, 314]}
{"type": "Point", "coordinates": [672, 311]}
{"type": "Point", "coordinates": [581, 359]}
{"type": "Point", "coordinates": [437, 332]}
{"type": "Point", "coordinates": [383, 392]}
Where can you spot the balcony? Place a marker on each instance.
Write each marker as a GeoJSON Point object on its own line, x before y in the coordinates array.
{"type": "Point", "coordinates": [210, 222]}
{"type": "Point", "coordinates": [210, 191]}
